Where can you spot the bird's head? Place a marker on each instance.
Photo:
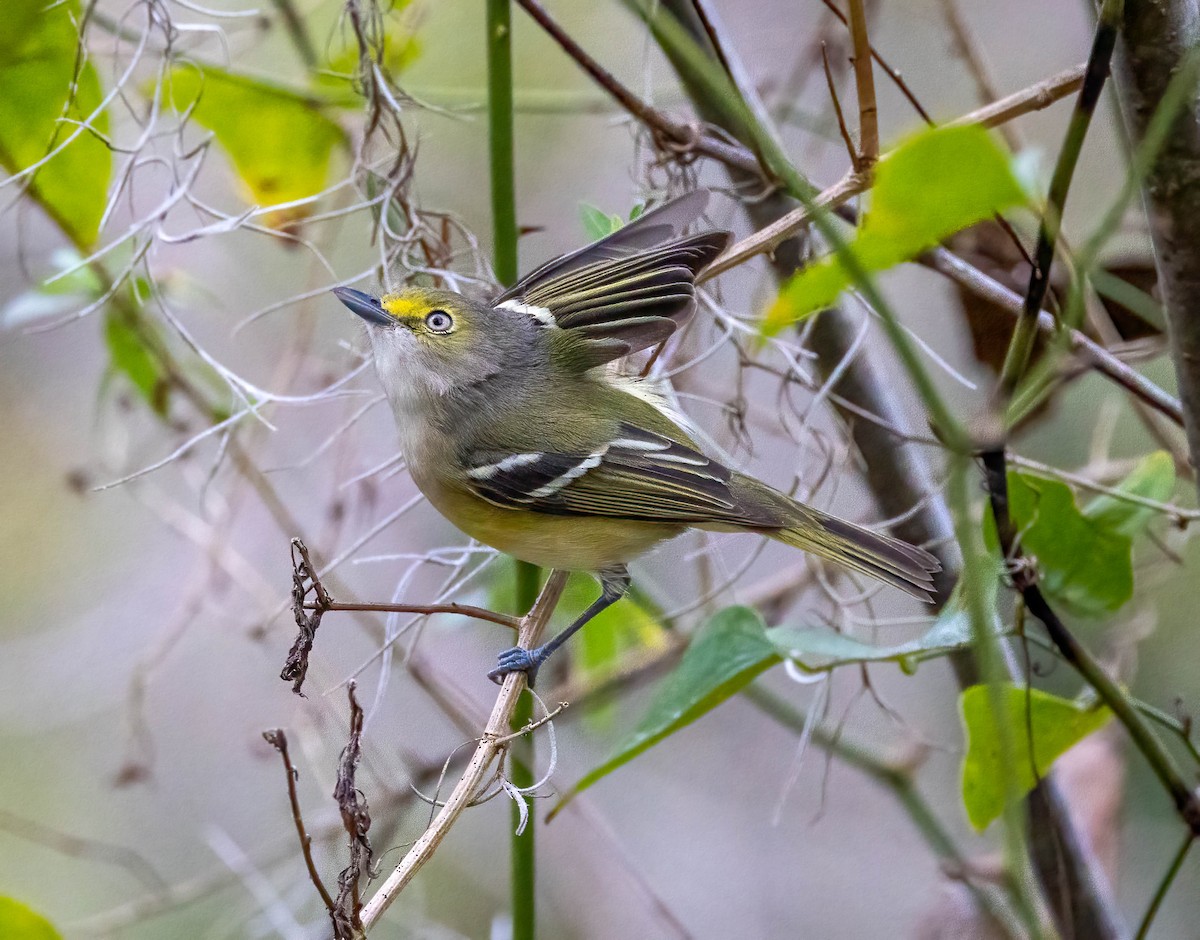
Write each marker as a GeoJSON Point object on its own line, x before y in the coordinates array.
{"type": "Point", "coordinates": [430, 342]}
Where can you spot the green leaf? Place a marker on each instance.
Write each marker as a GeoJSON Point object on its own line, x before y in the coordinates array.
{"type": "Point", "coordinates": [820, 650]}
{"type": "Point", "coordinates": [932, 185]}
{"type": "Point", "coordinates": [1083, 563]}
{"type": "Point", "coordinates": [38, 46]}
{"type": "Point", "coordinates": [18, 922]}
{"type": "Point", "coordinates": [1153, 478]}
{"type": "Point", "coordinates": [725, 655]}
{"type": "Point", "coordinates": [131, 358]}
{"type": "Point", "coordinates": [1057, 725]}
{"type": "Point", "coordinates": [280, 141]}
{"type": "Point", "coordinates": [597, 223]}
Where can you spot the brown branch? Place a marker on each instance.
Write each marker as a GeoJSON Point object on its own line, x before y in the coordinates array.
{"type": "Point", "coordinates": [278, 740]}
{"type": "Point", "coordinates": [675, 134]}
{"type": "Point", "coordinates": [477, 771]}
{"type": "Point", "coordinates": [1034, 97]}
{"type": "Point", "coordinates": [308, 613]}
{"type": "Point", "coordinates": [770, 236]}
{"type": "Point", "coordinates": [462, 610]}
{"type": "Point", "coordinates": [855, 162]}
{"type": "Point", "coordinates": [864, 81]}
{"type": "Point", "coordinates": [534, 725]}
{"type": "Point", "coordinates": [893, 74]}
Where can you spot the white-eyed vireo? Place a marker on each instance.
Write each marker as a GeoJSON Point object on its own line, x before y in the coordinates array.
{"type": "Point", "coordinates": [517, 428]}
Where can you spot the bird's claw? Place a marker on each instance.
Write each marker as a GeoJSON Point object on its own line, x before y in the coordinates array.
{"type": "Point", "coordinates": [516, 660]}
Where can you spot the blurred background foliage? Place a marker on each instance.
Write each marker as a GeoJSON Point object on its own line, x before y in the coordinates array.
{"type": "Point", "coordinates": [180, 395]}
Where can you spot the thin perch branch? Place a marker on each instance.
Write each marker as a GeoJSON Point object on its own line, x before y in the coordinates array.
{"type": "Point", "coordinates": [477, 771]}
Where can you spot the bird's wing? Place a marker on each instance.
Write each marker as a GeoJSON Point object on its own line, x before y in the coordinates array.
{"type": "Point", "coordinates": [659, 225]}
{"type": "Point", "coordinates": [638, 474]}
{"type": "Point", "coordinates": [625, 292]}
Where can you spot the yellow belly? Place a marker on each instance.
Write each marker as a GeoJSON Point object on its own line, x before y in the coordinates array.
{"type": "Point", "coordinates": [572, 543]}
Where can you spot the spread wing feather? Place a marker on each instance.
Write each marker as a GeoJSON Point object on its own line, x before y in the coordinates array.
{"type": "Point", "coordinates": [651, 228]}
{"type": "Point", "coordinates": [629, 290]}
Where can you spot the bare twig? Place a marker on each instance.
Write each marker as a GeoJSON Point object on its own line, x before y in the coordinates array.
{"type": "Point", "coordinates": [1034, 97]}
{"type": "Point", "coordinates": [1178, 515]}
{"type": "Point", "coordinates": [278, 740]}
{"type": "Point", "coordinates": [769, 237]}
{"type": "Point", "coordinates": [675, 134]}
{"type": "Point", "coordinates": [308, 614]}
{"type": "Point", "coordinates": [864, 81]}
{"type": "Point", "coordinates": [534, 725]}
{"type": "Point", "coordinates": [488, 749]}
{"type": "Point", "coordinates": [855, 162]}
{"type": "Point", "coordinates": [461, 610]}
{"type": "Point", "coordinates": [893, 74]}
{"type": "Point", "coordinates": [1185, 798]}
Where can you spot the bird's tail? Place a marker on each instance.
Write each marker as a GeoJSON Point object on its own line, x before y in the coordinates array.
{"type": "Point", "coordinates": [907, 567]}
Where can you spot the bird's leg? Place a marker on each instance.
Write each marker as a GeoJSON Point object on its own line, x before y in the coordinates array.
{"type": "Point", "coordinates": [614, 583]}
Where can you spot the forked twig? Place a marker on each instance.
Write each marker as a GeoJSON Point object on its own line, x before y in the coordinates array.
{"type": "Point", "coordinates": [491, 746]}
{"type": "Point", "coordinates": [308, 614]}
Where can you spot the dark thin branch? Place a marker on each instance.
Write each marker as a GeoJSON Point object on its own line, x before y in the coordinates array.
{"type": "Point", "coordinates": [837, 111]}
{"type": "Point", "coordinates": [1185, 799]}
{"type": "Point", "coordinates": [1164, 886]}
{"type": "Point", "coordinates": [462, 610]}
{"type": "Point", "coordinates": [278, 740]}
{"type": "Point", "coordinates": [308, 613]}
{"type": "Point", "coordinates": [1099, 61]}
{"type": "Point", "coordinates": [675, 135]}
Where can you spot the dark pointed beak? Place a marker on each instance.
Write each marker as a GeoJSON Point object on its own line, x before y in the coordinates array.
{"type": "Point", "coordinates": [364, 305]}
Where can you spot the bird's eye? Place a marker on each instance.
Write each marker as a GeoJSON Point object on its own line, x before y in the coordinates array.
{"type": "Point", "coordinates": [439, 321]}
